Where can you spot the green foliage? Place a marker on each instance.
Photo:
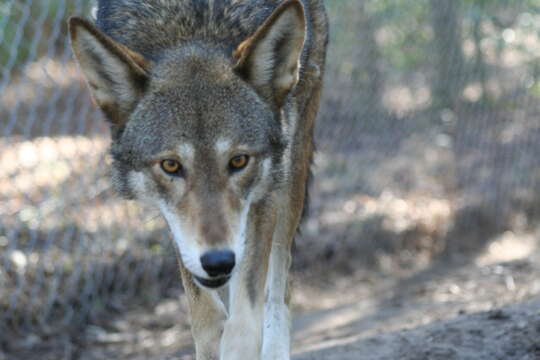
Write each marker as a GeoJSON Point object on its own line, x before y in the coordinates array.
{"type": "Point", "coordinates": [401, 29]}
{"type": "Point", "coordinates": [29, 29]}
{"type": "Point", "coordinates": [406, 43]}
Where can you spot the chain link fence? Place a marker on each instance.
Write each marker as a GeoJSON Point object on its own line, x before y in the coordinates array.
{"type": "Point", "coordinates": [429, 146]}
{"type": "Point", "coordinates": [69, 249]}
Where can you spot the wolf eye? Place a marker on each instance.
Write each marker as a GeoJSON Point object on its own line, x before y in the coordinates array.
{"type": "Point", "coordinates": [171, 167]}
{"type": "Point", "coordinates": [238, 162]}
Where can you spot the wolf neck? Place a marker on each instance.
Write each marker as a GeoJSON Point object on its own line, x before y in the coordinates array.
{"type": "Point", "coordinates": [152, 26]}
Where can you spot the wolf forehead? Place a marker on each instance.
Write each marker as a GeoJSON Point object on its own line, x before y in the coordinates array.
{"type": "Point", "coordinates": [195, 98]}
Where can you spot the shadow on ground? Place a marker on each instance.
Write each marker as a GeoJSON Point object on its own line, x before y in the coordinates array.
{"type": "Point", "coordinates": [508, 333]}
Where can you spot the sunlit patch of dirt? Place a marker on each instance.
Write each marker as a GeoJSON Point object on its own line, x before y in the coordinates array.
{"type": "Point", "coordinates": [37, 77]}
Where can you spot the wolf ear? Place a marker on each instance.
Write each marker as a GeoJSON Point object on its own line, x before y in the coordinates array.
{"type": "Point", "coordinates": [116, 75]}
{"type": "Point", "coordinates": [270, 59]}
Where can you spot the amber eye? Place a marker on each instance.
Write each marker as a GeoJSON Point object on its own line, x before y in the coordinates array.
{"type": "Point", "coordinates": [171, 167]}
{"type": "Point", "coordinates": [239, 162]}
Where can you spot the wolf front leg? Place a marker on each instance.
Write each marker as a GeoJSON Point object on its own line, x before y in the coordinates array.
{"type": "Point", "coordinates": [208, 316]}
{"type": "Point", "coordinates": [242, 337]}
{"type": "Point", "coordinates": [277, 322]}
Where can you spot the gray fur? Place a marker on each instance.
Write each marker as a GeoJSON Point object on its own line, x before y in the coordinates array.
{"type": "Point", "coordinates": [172, 75]}
{"type": "Point", "coordinates": [152, 26]}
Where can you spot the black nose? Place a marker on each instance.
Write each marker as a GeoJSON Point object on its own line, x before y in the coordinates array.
{"type": "Point", "coordinates": [218, 262]}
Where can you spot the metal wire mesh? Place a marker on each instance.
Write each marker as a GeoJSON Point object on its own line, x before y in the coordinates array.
{"type": "Point", "coordinates": [58, 265]}
{"type": "Point", "coordinates": [429, 140]}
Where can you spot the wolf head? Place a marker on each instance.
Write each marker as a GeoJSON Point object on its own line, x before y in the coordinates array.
{"type": "Point", "coordinates": [197, 131]}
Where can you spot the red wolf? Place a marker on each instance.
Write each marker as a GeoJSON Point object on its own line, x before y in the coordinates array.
{"type": "Point", "coordinates": [212, 106]}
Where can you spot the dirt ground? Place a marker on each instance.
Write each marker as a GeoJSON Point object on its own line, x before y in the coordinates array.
{"type": "Point", "coordinates": [486, 307]}
{"type": "Point", "coordinates": [477, 312]}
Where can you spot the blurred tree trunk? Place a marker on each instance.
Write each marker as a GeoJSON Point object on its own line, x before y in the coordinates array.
{"type": "Point", "coordinates": [448, 82]}
{"type": "Point", "coordinates": [480, 66]}
{"type": "Point", "coordinates": [366, 73]}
